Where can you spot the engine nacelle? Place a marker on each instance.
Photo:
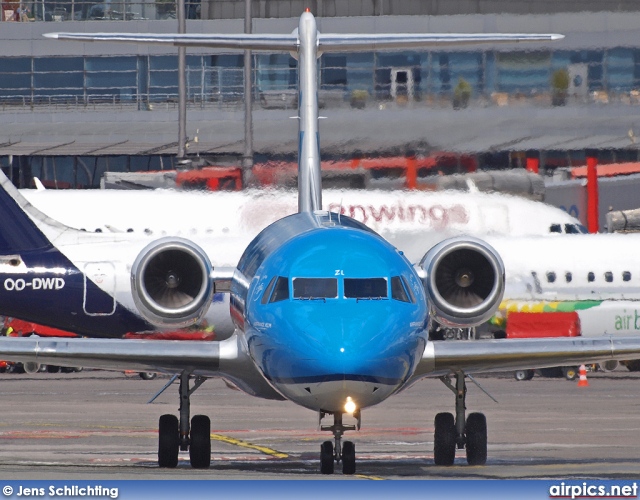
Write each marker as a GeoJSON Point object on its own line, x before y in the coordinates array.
{"type": "Point", "coordinates": [171, 282]}
{"type": "Point", "coordinates": [31, 367]}
{"type": "Point", "coordinates": [609, 366]}
{"type": "Point", "coordinates": [464, 281]}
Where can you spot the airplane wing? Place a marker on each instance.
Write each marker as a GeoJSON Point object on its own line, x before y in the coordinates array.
{"type": "Point", "coordinates": [474, 356]}
{"type": "Point", "coordinates": [290, 42]}
{"type": "Point", "coordinates": [225, 359]}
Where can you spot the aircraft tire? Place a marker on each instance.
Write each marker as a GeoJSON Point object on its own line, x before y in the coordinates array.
{"type": "Point", "coordinates": [147, 375]}
{"type": "Point", "coordinates": [326, 457]}
{"type": "Point", "coordinates": [168, 441]}
{"type": "Point", "coordinates": [633, 365]}
{"type": "Point", "coordinates": [444, 439]}
{"type": "Point", "coordinates": [476, 443]}
{"type": "Point", "coordinates": [348, 458]}
{"type": "Point", "coordinates": [570, 372]}
{"type": "Point", "coordinates": [200, 443]}
{"type": "Point", "coordinates": [524, 374]}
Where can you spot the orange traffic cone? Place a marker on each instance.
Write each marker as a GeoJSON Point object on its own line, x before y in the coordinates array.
{"type": "Point", "coordinates": [583, 382]}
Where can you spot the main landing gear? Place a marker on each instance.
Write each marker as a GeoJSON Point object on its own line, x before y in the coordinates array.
{"type": "Point", "coordinates": [342, 452]}
{"type": "Point", "coordinates": [451, 434]}
{"type": "Point", "coordinates": [175, 435]}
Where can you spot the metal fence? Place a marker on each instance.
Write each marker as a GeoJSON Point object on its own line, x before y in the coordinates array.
{"type": "Point", "coordinates": [106, 10]}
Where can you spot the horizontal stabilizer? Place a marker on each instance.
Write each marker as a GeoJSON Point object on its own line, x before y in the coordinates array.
{"type": "Point", "coordinates": [275, 43]}
{"type": "Point", "coordinates": [374, 42]}
{"type": "Point", "coordinates": [290, 42]}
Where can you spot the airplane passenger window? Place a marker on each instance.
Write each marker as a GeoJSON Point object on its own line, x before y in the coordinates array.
{"type": "Point", "coordinates": [281, 290]}
{"type": "Point", "coordinates": [267, 292]}
{"type": "Point", "coordinates": [626, 276]}
{"type": "Point", "coordinates": [568, 277]}
{"type": "Point", "coordinates": [398, 291]}
{"type": "Point", "coordinates": [608, 276]}
{"type": "Point", "coordinates": [551, 277]}
{"type": "Point", "coordinates": [591, 277]}
{"type": "Point", "coordinates": [365, 288]}
{"type": "Point", "coordinates": [315, 288]}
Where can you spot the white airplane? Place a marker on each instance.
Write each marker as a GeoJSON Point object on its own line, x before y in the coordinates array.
{"type": "Point", "coordinates": [412, 221]}
{"type": "Point", "coordinates": [328, 314]}
{"type": "Point", "coordinates": [393, 214]}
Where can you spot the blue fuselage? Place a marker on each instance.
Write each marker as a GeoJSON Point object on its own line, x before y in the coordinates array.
{"type": "Point", "coordinates": [329, 311]}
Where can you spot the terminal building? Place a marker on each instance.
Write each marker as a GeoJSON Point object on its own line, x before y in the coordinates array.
{"type": "Point", "coordinates": [72, 111]}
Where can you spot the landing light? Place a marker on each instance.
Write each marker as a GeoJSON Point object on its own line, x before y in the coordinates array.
{"type": "Point", "coordinates": [350, 405]}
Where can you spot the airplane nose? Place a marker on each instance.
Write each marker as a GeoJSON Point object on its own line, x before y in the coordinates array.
{"type": "Point", "coordinates": [344, 396]}
{"type": "Point", "coordinates": [336, 356]}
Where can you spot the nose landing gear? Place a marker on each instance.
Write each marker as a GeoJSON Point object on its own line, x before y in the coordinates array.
{"type": "Point", "coordinates": [341, 452]}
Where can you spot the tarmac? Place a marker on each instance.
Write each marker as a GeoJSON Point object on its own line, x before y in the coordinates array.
{"type": "Point", "coordinates": [98, 425]}
{"type": "Point", "coordinates": [380, 128]}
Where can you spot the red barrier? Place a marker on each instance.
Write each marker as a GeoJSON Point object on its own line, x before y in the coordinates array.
{"type": "Point", "coordinates": [592, 194]}
{"type": "Point", "coordinates": [525, 325]}
{"type": "Point", "coordinates": [533, 164]}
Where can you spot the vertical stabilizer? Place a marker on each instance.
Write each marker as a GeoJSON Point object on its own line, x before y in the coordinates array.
{"type": "Point", "coordinates": [309, 179]}
{"type": "Point", "coordinates": [22, 226]}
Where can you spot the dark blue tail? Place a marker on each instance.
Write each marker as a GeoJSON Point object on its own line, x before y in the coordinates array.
{"type": "Point", "coordinates": [18, 232]}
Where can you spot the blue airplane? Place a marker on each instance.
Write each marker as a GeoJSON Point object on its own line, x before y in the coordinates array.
{"type": "Point", "coordinates": [328, 314]}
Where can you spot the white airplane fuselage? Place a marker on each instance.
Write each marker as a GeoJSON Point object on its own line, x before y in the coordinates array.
{"type": "Point", "coordinates": [223, 223]}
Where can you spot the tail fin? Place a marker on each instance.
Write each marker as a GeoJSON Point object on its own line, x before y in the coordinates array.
{"type": "Point", "coordinates": [22, 226]}
{"type": "Point", "coordinates": [307, 44]}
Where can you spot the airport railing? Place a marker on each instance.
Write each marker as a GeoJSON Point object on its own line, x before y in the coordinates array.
{"type": "Point", "coordinates": [108, 10]}
{"type": "Point", "coordinates": [141, 102]}
{"type": "Point", "coordinates": [281, 99]}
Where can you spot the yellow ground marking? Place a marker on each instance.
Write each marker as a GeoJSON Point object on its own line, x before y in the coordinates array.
{"type": "Point", "coordinates": [372, 478]}
{"type": "Point", "coordinates": [244, 444]}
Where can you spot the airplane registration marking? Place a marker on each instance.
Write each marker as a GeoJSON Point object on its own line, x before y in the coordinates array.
{"type": "Point", "coordinates": [35, 284]}
{"type": "Point", "coordinates": [245, 444]}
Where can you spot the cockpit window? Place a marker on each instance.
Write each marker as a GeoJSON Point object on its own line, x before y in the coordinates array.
{"type": "Point", "coordinates": [365, 288]}
{"type": "Point", "coordinates": [267, 292]}
{"type": "Point", "coordinates": [555, 228]}
{"type": "Point", "coordinates": [398, 291]}
{"type": "Point", "coordinates": [315, 288]}
{"type": "Point", "coordinates": [280, 290]}
{"type": "Point", "coordinates": [575, 229]}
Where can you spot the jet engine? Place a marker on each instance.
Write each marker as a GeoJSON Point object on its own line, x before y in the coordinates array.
{"type": "Point", "coordinates": [31, 367]}
{"type": "Point", "coordinates": [464, 281]}
{"type": "Point", "coordinates": [171, 282]}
